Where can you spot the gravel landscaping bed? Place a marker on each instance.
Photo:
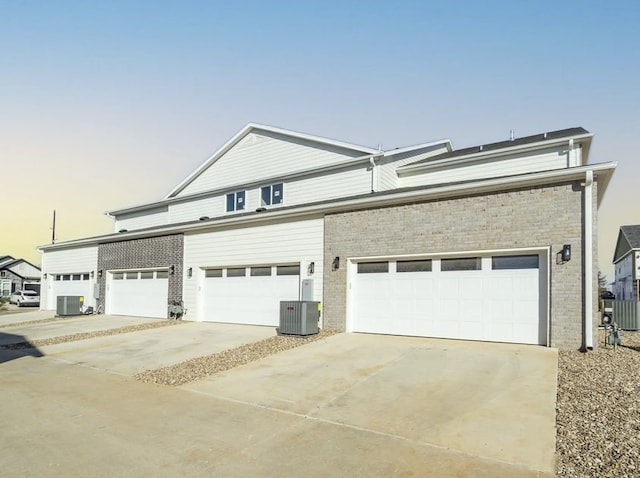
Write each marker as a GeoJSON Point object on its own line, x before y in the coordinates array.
{"type": "Point", "coordinates": [598, 410]}
{"type": "Point", "coordinates": [202, 367]}
{"type": "Point", "coordinates": [89, 335]}
{"type": "Point", "coordinates": [38, 321]}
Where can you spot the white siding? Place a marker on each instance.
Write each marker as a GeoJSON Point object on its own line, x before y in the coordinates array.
{"type": "Point", "coordinates": [69, 261]}
{"type": "Point", "coordinates": [279, 243]}
{"type": "Point", "coordinates": [623, 287]}
{"type": "Point", "coordinates": [386, 169]}
{"type": "Point", "coordinates": [140, 220]}
{"type": "Point", "coordinates": [497, 167]}
{"type": "Point", "coordinates": [265, 155]}
{"type": "Point", "coordinates": [299, 191]}
{"type": "Point", "coordinates": [25, 270]}
{"type": "Point", "coordinates": [196, 208]}
{"type": "Point", "coordinates": [329, 186]}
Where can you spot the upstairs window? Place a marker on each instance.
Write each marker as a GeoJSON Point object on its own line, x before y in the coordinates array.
{"type": "Point", "coordinates": [235, 201]}
{"type": "Point", "coordinates": [271, 195]}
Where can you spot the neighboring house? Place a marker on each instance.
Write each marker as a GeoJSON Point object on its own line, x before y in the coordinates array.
{"type": "Point", "coordinates": [626, 263]}
{"type": "Point", "coordinates": [18, 274]}
{"type": "Point", "coordinates": [423, 240]}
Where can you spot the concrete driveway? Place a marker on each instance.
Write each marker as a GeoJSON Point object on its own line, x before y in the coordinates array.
{"type": "Point", "coordinates": [347, 405]}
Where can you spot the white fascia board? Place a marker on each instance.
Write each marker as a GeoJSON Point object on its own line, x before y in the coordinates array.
{"type": "Point", "coordinates": [375, 200]}
{"type": "Point", "coordinates": [445, 142]}
{"type": "Point", "coordinates": [312, 138]}
{"type": "Point", "coordinates": [258, 127]}
{"type": "Point", "coordinates": [410, 168]}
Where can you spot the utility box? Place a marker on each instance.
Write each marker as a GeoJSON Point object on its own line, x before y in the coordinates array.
{"type": "Point", "coordinates": [69, 305]}
{"type": "Point", "coordinates": [299, 317]}
{"type": "Point", "coordinates": [307, 290]}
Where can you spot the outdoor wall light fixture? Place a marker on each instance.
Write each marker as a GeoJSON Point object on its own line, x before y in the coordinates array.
{"type": "Point", "coordinates": [100, 274]}
{"type": "Point", "coordinates": [44, 276]}
{"type": "Point", "coordinates": [335, 265]}
{"type": "Point", "coordinates": [190, 272]}
{"type": "Point", "coordinates": [566, 253]}
{"type": "Point", "coordinates": [172, 269]}
{"type": "Point", "coordinates": [91, 274]}
{"type": "Point", "coordinates": [311, 268]}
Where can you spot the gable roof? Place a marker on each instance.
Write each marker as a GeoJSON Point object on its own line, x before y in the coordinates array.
{"type": "Point", "coordinates": [253, 127]}
{"type": "Point", "coordinates": [6, 259]}
{"type": "Point", "coordinates": [363, 154]}
{"type": "Point", "coordinates": [492, 148]}
{"type": "Point", "coordinates": [628, 240]}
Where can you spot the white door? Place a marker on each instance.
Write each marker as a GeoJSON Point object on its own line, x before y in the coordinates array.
{"type": "Point", "coordinates": [492, 298]}
{"type": "Point", "coordinates": [70, 285]}
{"type": "Point", "coordinates": [248, 295]}
{"type": "Point", "coordinates": [138, 293]}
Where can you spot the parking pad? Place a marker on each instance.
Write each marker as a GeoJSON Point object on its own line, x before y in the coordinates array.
{"type": "Point", "coordinates": [71, 326]}
{"type": "Point", "coordinates": [134, 352]}
{"type": "Point", "coordinates": [495, 401]}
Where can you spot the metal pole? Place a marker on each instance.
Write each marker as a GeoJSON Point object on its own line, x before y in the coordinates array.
{"type": "Point", "coordinates": [53, 228]}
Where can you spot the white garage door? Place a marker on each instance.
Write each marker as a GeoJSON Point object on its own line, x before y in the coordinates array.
{"type": "Point", "coordinates": [138, 293]}
{"type": "Point", "coordinates": [248, 295]}
{"type": "Point", "coordinates": [491, 298]}
{"type": "Point", "coordinates": [70, 285]}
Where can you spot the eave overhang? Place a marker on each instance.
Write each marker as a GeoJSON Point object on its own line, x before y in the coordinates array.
{"type": "Point", "coordinates": [602, 172]}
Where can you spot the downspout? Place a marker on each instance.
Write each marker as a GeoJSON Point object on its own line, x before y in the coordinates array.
{"type": "Point", "coordinates": [372, 162]}
{"type": "Point", "coordinates": [373, 169]}
{"type": "Point", "coordinates": [588, 260]}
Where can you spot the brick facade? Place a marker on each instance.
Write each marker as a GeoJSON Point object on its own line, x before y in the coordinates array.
{"type": "Point", "coordinates": [522, 218]}
{"type": "Point", "coordinates": [163, 251]}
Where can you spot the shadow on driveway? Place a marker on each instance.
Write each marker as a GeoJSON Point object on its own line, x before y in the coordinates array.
{"type": "Point", "coordinates": [16, 346]}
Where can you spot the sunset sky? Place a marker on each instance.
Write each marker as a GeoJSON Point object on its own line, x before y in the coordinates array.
{"type": "Point", "coordinates": [106, 104]}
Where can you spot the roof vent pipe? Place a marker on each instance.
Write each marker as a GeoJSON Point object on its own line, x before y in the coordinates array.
{"type": "Point", "coordinates": [480, 147]}
{"type": "Point", "coordinates": [511, 135]}
{"type": "Point", "coordinates": [545, 136]}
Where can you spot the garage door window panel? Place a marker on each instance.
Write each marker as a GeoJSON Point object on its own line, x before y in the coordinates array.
{"type": "Point", "coordinates": [414, 266]}
{"type": "Point", "coordinates": [236, 272]}
{"type": "Point", "coordinates": [118, 275]}
{"type": "Point", "coordinates": [529, 261]}
{"type": "Point", "coordinates": [146, 275]}
{"type": "Point", "coordinates": [378, 267]}
{"type": "Point", "coordinates": [461, 264]}
{"type": "Point", "coordinates": [288, 270]}
{"type": "Point", "coordinates": [132, 276]}
{"type": "Point", "coordinates": [213, 273]}
{"type": "Point", "coordinates": [260, 271]}
{"type": "Point", "coordinates": [162, 274]}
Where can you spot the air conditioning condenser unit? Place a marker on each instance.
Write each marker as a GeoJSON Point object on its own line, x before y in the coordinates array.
{"type": "Point", "coordinates": [299, 317]}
